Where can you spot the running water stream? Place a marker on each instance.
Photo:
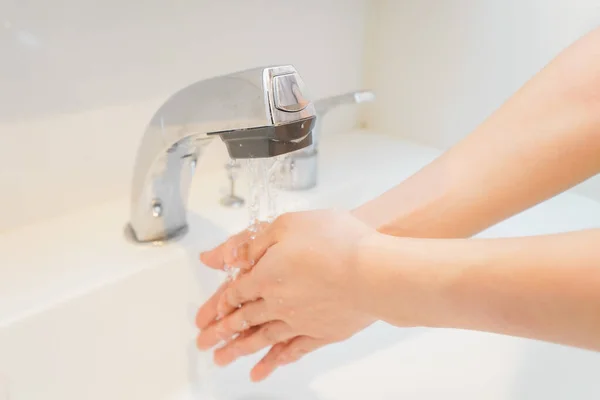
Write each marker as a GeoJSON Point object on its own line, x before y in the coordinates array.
{"type": "Point", "coordinates": [262, 198]}
{"type": "Point", "coordinates": [261, 174]}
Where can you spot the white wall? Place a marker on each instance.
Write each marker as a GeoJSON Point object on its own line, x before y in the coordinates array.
{"type": "Point", "coordinates": [79, 80]}
{"type": "Point", "coordinates": [441, 67]}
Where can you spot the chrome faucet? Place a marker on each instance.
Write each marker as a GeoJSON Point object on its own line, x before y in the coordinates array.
{"type": "Point", "coordinates": [258, 113]}
{"type": "Point", "coordinates": [299, 171]}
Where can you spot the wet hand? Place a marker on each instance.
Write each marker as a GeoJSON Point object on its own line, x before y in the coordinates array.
{"type": "Point", "coordinates": [302, 293]}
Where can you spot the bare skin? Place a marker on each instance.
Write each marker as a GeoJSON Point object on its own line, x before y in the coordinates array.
{"type": "Point", "coordinates": [378, 263]}
{"type": "Point", "coordinates": [542, 141]}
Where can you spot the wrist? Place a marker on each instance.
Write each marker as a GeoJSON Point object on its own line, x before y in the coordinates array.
{"type": "Point", "coordinates": [402, 280]}
{"type": "Point", "coordinates": [368, 274]}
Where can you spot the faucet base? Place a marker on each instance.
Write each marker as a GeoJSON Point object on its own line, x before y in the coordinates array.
{"type": "Point", "coordinates": [173, 237]}
{"type": "Point", "coordinates": [299, 171]}
{"type": "Point", "coordinates": [232, 201]}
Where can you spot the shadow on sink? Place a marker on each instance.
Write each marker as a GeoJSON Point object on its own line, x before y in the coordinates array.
{"type": "Point", "coordinates": [551, 372]}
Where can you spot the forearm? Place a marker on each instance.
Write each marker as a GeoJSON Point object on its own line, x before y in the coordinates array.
{"type": "Point", "coordinates": [545, 287]}
{"type": "Point", "coordinates": [544, 140]}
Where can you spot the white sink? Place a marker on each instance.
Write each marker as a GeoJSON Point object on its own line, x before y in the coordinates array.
{"type": "Point", "coordinates": [86, 315]}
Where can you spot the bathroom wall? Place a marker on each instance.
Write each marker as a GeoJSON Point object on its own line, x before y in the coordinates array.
{"type": "Point", "coordinates": [441, 67]}
{"type": "Point", "coordinates": [79, 80]}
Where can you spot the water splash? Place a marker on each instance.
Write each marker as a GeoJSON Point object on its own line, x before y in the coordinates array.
{"type": "Point", "coordinates": [254, 169]}
{"type": "Point", "coordinates": [262, 198]}
{"type": "Point", "coordinates": [232, 272]}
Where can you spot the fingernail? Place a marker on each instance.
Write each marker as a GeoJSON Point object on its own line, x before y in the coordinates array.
{"type": "Point", "coordinates": [221, 333]}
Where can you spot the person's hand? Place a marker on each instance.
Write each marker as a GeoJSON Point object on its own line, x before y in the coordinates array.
{"type": "Point", "coordinates": [303, 293]}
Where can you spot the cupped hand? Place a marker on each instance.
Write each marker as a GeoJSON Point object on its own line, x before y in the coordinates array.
{"type": "Point", "coordinates": [299, 290]}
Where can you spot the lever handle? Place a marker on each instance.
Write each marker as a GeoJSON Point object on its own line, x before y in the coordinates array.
{"type": "Point", "coordinates": [322, 106]}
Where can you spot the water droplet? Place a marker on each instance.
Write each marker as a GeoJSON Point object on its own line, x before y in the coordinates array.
{"type": "Point", "coordinates": [245, 325]}
{"type": "Point", "coordinates": [279, 301]}
{"type": "Point", "coordinates": [279, 280]}
{"type": "Point", "coordinates": [232, 272]}
{"type": "Point", "coordinates": [221, 344]}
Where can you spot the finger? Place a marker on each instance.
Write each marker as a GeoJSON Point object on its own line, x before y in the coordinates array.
{"type": "Point", "coordinates": [267, 335]}
{"type": "Point", "coordinates": [225, 253]}
{"type": "Point", "coordinates": [242, 290]}
{"type": "Point", "coordinates": [267, 237]}
{"type": "Point", "coordinates": [250, 315]}
{"type": "Point", "coordinates": [292, 351]}
{"type": "Point", "coordinates": [298, 348]}
{"type": "Point", "coordinates": [207, 313]}
{"type": "Point", "coordinates": [268, 363]}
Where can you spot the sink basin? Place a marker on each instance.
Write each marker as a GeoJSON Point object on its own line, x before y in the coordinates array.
{"type": "Point", "coordinates": [84, 314]}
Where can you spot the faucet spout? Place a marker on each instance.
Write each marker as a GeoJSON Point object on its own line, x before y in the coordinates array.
{"type": "Point", "coordinates": [257, 113]}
